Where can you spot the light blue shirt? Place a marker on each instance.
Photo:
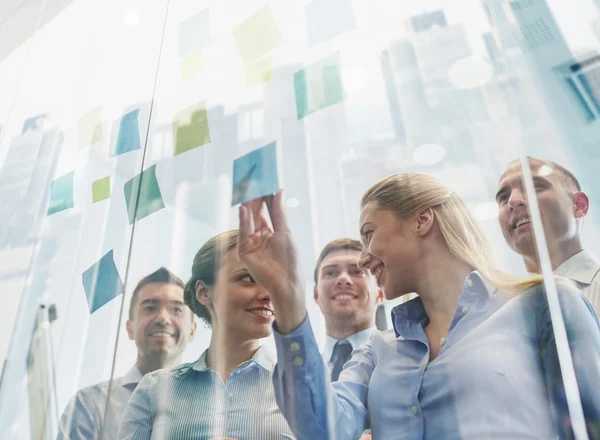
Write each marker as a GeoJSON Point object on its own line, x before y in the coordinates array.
{"type": "Point", "coordinates": [84, 418]}
{"type": "Point", "coordinates": [355, 340]}
{"type": "Point", "coordinates": [583, 268]}
{"type": "Point", "coordinates": [496, 375]}
{"type": "Point", "coordinates": [192, 402]}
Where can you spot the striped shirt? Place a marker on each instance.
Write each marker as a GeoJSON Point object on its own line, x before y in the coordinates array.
{"type": "Point", "coordinates": [192, 402]}
{"type": "Point", "coordinates": [583, 268]}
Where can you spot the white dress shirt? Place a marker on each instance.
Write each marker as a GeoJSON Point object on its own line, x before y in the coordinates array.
{"type": "Point", "coordinates": [583, 268]}
{"type": "Point", "coordinates": [84, 418]}
{"type": "Point", "coordinates": [355, 340]}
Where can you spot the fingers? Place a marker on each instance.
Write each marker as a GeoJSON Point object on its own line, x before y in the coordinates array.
{"type": "Point", "coordinates": [246, 225]}
{"type": "Point", "coordinates": [277, 212]}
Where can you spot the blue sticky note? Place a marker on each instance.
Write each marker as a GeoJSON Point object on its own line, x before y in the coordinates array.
{"type": "Point", "coordinates": [255, 174]}
{"type": "Point", "coordinates": [150, 199]}
{"type": "Point", "coordinates": [194, 34]}
{"type": "Point", "coordinates": [326, 19]}
{"type": "Point", "coordinates": [319, 85]}
{"type": "Point", "coordinates": [102, 282]}
{"type": "Point", "coordinates": [128, 138]}
{"type": "Point", "coordinates": [61, 194]}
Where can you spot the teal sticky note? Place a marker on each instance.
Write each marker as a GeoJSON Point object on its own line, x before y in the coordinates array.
{"type": "Point", "coordinates": [255, 174]}
{"type": "Point", "coordinates": [325, 19]}
{"type": "Point", "coordinates": [149, 200]}
{"type": "Point", "coordinates": [101, 282]}
{"type": "Point", "coordinates": [61, 194]}
{"type": "Point", "coordinates": [128, 138]}
{"type": "Point", "coordinates": [319, 85]}
{"type": "Point", "coordinates": [194, 34]}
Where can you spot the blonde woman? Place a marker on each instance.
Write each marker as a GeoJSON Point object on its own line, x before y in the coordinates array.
{"type": "Point", "coordinates": [472, 357]}
{"type": "Point", "coordinates": [227, 393]}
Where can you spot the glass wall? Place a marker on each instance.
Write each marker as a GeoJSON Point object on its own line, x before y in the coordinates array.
{"type": "Point", "coordinates": [121, 121]}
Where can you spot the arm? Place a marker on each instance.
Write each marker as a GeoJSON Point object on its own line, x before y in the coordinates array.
{"type": "Point", "coordinates": [138, 419]}
{"type": "Point", "coordinates": [79, 421]}
{"type": "Point", "coordinates": [313, 407]}
{"type": "Point", "coordinates": [583, 334]}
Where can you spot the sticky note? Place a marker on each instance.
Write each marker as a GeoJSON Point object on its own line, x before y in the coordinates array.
{"type": "Point", "coordinates": [61, 194]}
{"type": "Point", "coordinates": [255, 174]}
{"type": "Point", "coordinates": [101, 189]}
{"type": "Point", "coordinates": [190, 128]}
{"type": "Point", "coordinates": [326, 19]}
{"type": "Point", "coordinates": [257, 35]}
{"type": "Point", "coordinates": [89, 128]}
{"type": "Point", "coordinates": [191, 65]}
{"type": "Point", "coordinates": [194, 34]}
{"type": "Point", "coordinates": [102, 282]}
{"type": "Point", "coordinates": [258, 72]}
{"type": "Point", "coordinates": [319, 86]}
{"type": "Point", "coordinates": [150, 199]}
{"type": "Point", "coordinates": [128, 138]}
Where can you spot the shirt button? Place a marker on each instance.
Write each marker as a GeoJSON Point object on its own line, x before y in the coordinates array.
{"type": "Point", "coordinates": [464, 310]}
{"type": "Point", "coordinates": [294, 346]}
{"type": "Point", "coordinates": [298, 361]}
{"type": "Point", "coordinates": [414, 410]}
{"type": "Point", "coordinates": [443, 341]}
{"type": "Point", "coordinates": [470, 282]}
{"type": "Point", "coordinates": [230, 395]}
{"type": "Point", "coordinates": [238, 371]}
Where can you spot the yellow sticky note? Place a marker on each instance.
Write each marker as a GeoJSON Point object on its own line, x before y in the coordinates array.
{"type": "Point", "coordinates": [190, 128]}
{"type": "Point", "coordinates": [89, 128]}
{"type": "Point", "coordinates": [191, 65]}
{"type": "Point", "coordinates": [257, 35]}
{"type": "Point", "coordinates": [258, 72]}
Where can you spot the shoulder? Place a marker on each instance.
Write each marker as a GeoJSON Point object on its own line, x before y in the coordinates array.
{"type": "Point", "coordinates": [165, 375]}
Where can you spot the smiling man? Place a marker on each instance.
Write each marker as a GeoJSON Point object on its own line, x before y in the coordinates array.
{"type": "Point", "coordinates": [347, 296]}
{"type": "Point", "coordinates": [161, 325]}
{"type": "Point", "coordinates": [563, 207]}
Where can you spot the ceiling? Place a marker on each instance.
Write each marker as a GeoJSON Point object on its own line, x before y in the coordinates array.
{"type": "Point", "coordinates": [19, 17]}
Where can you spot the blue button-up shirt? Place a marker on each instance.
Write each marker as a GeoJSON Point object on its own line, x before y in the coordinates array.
{"type": "Point", "coordinates": [192, 402]}
{"type": "Point", "coordinates": [86, 416]}
{"type": "Point", "coordinates": [496, 375]}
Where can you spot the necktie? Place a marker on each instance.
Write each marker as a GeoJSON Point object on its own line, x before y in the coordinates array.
{"type": "Point", "coordinates": [341, 354]}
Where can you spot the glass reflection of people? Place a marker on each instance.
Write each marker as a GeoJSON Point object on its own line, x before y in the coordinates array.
{"type": "Point", "coordinates": [472, 357]}
{"type": "Point", "coordinates": [563, 207]}
{"type": "Point", "coordinates": [347, 296]}
{"type": "Point", "coordinates": [228, 392]}
{"type": "Point", "coordinates": [161, 325]}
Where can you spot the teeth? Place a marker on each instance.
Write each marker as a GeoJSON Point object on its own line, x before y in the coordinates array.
{"type": "Point", "coordinates": [378, 271]}
{"type": "Point", "coordinates": [262, 312]}
{"type": "Point", "coordinates": [522, 222]}
{"type": "Point", "coordinates": [160, 334]}
{"type": "Point", "coordinates": [344, 296]}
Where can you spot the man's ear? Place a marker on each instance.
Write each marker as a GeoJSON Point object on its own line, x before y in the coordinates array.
{"type": "Point", "coordinates": [425, 220]}
{"type": "Point", "coordinates": [316, 294]}
{"type": "Point", "coordinates": [202, 293]}
{"type": "Point", "coordinates": [192, 331]}
{"type": "Point", "coordinates": [581, 204]}
{"type": "Point", "coordinates": [129, 327]}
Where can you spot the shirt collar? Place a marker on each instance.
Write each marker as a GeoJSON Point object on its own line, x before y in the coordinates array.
{"type": "Point", "coordinates": [581, 267]}
{"type": "Point", "coordinates": [476, 291]}
{"type": "Point", "coordinates": [133, 376]}
{"type": "Point", "coordinates": [356, 340]}
{"type": "Point", "coordinates": [262, 357]}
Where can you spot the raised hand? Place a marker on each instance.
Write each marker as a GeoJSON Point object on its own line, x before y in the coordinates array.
{"type": "Point", "coordinates": [271, 258]}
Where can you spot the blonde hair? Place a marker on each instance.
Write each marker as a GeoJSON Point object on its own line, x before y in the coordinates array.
{"type": "Point", "coordinates": [406, 194]}
{"type": "Point", "coordinates": [205, 268]}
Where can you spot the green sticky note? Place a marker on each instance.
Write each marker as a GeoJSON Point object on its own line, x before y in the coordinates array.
{"type": "Point", "coordinates": [190, 128]}
{"type": "Point", "coordinates": [257, 35]}
{"type": "Point", "coordinates": [319, 85]}
{"type": "Point", "coordinates": [89, 128]}
{"type": "Point", "coordinates": [258, 72]}
{"type": "Point", "coordinates": [191, 65]}
{"type": "Point", "coordinates": [150, 199]}
{"type": "Point", "coordinates": [101, 189]}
